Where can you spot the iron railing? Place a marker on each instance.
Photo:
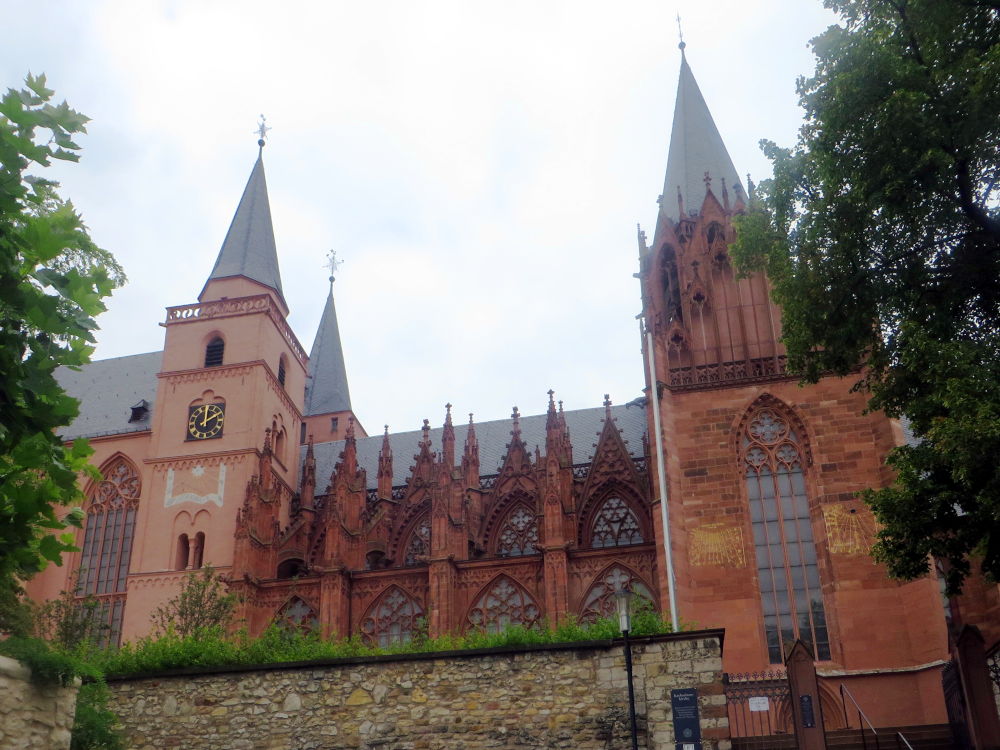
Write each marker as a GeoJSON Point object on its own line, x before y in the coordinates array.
{"type": "Point", "coordinates": [862, 719]}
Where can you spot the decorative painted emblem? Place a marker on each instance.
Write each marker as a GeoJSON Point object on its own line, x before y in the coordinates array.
{"type": "Point", "coordinates": [196, 485]}
{"type": "Point", "coordinates": [848, 531]}
{"type": "Point", "coordinates": [717, 544]}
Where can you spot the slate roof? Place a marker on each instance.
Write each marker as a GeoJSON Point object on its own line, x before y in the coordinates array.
{"type": "Point", "coordinates": [584, 426]}
{"type": "Point", "coordinates": [249, 248]}
{"type": "Point", "coordinates": [107, 389]}
{"type": "Point", "coordinates": [326, 389]}
{"type": "Point", "coordinates": [695, 148]}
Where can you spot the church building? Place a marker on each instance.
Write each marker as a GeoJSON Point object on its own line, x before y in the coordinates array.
{"type": "Point", "coordinates": [234, 446]}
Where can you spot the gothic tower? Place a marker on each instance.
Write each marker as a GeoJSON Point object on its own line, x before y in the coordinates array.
{"type": "Point", "coordinates": [229, 406]}
{"type": "Point", "coordinates": [769, 539]}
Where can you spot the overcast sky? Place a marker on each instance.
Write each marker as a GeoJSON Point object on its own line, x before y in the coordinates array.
{"type": "Point", "coordinates": [480, 168]}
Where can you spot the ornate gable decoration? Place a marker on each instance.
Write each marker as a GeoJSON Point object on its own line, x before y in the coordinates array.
{"type": "Point", "coordinates": [612, 462]}
{"type": "Point", "coordinates": [517, 461]}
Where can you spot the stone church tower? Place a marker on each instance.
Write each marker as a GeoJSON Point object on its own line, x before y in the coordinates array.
{"type": "Point", "coordinates": [769, 538]}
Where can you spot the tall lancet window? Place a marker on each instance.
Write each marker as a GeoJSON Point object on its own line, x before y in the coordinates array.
{"type": "Point", "coordinates": [107, 543]}
{"type": "Point", "coordinates": [772, 455]}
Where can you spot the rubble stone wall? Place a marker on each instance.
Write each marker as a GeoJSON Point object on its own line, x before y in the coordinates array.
{"type": "Point", "coordinates": [33, 716]}
{"type": "Point", "coordinates": [566, 696]}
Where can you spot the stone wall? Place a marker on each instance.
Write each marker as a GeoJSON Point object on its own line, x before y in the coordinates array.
{"type": "Point", "coordinates": [33, 716]}
{"type": "Point", "coordinates": [565, 696]}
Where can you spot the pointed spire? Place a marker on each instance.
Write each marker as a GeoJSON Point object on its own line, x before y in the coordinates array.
{"type": "Point", "coordinates": [385, 466]}
{"type": "Point", "coordinates": [448, 439]}
{"type": "Point", "coordinates": [327, 389]}
{"type": "Point", "coordinates": [516, 425]}
{"type": "Point", "coordinates": [307, 492]}
{"type": "Point", "coordinates": [471, 442]}
{"type": "Point", "coordinates": [696, 149]}
{"type": "Point", "coordinates": [249, 248]}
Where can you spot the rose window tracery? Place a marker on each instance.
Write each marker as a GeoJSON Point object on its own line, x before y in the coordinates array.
{"type": "Point", "coordinates": [599, 602]}
{"type": "Point", "coordinates": [419, 546]}
{"type": "Point", "coordinates": [393, 619]}
{"type": "Point", "coordinates": [615, 525]}
{"type": "Point", "coordinates": [503, 604]}
{"type": "Point", "coordinates": [519, 534]}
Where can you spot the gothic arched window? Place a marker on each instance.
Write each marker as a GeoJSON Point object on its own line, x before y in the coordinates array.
{"type": "Point", "coordinates": [107, 542]}
{"type": "Point", "coordinates": [518, 534]}
{"type": "Point", "coordinates": [599, 600]}
{"type": "Point", "coordinates": [503, 603]}
{"type": "Point", "coordinates": [772, 456]}
{"type": "Point", "coordinates": [615, 525]}
{"type": "Point", "coordinates": [393, 618]}
{"type": "Point", "coordinates": [419, 546]}
{"type": "Point", "coordinates": [297, 615]}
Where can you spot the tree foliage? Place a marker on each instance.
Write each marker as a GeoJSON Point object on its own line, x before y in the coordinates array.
{"type": "Point", "coordinates": [880, 232]}
{"type": "Point", "coordinates": [202, 605]}
{"type": "Point", "coordinates": [52, 280]}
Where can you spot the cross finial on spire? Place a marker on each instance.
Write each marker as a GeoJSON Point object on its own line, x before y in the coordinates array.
{"type": "Point", "coordinates": [680, 33]}
{"type": "Point", "coordinates": [262, 129]}
{"type": "Point", "coordinates": [332, 264]}
{"type": "Point", "coordinates": [708, 181]}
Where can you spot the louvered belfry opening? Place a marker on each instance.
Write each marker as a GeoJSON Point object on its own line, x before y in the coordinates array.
{"type": "Point", "coordinates": [214, 352]}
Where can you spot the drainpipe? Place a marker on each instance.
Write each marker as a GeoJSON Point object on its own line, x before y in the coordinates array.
{"type": "Point", "coordinates": [661, 476]}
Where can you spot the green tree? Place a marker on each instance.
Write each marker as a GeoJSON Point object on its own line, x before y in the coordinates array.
{"type": "Point", "coordinates": [203, 605]}
{"type": "Point", "coordinates": [52, 280]}
{"type": "Point", "coordinates": [880, 234]}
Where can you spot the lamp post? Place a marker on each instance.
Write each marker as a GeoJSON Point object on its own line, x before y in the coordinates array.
{"type": "Point", "coordinates": [623, 598]}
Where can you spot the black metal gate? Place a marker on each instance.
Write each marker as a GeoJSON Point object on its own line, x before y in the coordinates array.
{"type": "Point", "coordinates": [759, 710]}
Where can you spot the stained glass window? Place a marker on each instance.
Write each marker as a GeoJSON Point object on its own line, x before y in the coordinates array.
{"type": "Point", "coordinates": [783, 539]}
{"type": "Point", "coordinates": [504, 603]}
{"type": "Point", "coordinates": [518, 533]}
{"type": "Point", "coordinates": [393, 618]}
{"type": "Point", "coordinates": [615, 525]}
{"type": "Point", "coordinates": [600, 598]}
{"type": "Point", "coordinates": [419, 546]}
{"type": "Point", "coordinates": [297, 615]}
{"type": "Point", "coordinates": [107, 542]}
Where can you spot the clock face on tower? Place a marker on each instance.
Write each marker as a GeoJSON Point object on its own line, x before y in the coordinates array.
{"type": "Point", "coordinates": [205, 421]}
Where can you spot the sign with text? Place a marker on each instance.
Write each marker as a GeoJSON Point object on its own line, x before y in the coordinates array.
{"type": "Point", "coordinates": [687, 727]}
{"type": "Point", "coordinates": [759, 703]}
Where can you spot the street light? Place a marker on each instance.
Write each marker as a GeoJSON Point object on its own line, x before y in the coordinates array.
{"type": "Point", "coordinates": [623, 598]}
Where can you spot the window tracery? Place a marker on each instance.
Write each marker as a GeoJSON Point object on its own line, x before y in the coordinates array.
{"type": "Point", "coordinates": [107, 542]}
{"type": "Point", "coordinates": [518, 534]}
{"type": "Point", "coordinates": [792, 601]}
{"type": "Point", "coordinates": [504, 603]}
{"type": "Point", "coordinates": [297, 615]}
{"type": "Point", "coordinates": [419, 546]}
{"type": "Point", "coordinates": [615, 525]}
{"type": "Point", "coordinates": [599, 601]}
{"type": "Point", "coordinates": [394, 618]}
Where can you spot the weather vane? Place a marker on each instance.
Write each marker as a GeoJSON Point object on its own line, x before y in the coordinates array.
{"type": "Point", "coordinates": [680, 33]}
{"type": "Point", "coordinates": [332, 263]}
{"type": "Point", "coordinates": [262, 129]}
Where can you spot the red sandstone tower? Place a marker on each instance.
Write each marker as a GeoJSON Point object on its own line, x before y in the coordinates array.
{"type": "Point", "coordinates": [769, 539]}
